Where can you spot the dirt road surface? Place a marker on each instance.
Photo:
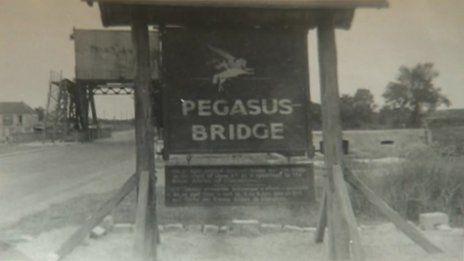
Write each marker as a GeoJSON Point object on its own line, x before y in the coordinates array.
{"type": "Point", "coordinates": [33, 176]}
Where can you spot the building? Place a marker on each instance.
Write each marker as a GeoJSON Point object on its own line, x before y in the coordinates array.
{"type": "Point", "coordinates": [446, 128]}
{"type": "Point", "coordinates": [16, 118]}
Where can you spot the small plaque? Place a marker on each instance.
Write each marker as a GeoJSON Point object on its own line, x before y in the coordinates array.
{"type": "Point", "coordinates": [239, 185]}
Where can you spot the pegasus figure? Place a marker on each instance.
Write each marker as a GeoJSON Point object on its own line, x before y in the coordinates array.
{"type": "Point", "coordinates": [229, 67]}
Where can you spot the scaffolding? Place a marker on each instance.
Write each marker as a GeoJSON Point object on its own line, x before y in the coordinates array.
{"type": "Point", "coordinates": [56, 111]}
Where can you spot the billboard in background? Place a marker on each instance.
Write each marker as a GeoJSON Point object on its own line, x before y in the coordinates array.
{"type": "Point", "coordinates": [108, 55]}
{"type": "Point", "coordinates": [233, 91]}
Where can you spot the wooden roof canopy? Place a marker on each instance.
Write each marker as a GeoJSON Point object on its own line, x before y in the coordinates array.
{"type": "Point", "coordinates": [239, 13]}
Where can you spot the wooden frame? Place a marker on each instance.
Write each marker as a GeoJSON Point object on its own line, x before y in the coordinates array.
{"type": "Point", "coordinates": [336, 210]}
{"type": "Point", "coordinates": [279, 4]}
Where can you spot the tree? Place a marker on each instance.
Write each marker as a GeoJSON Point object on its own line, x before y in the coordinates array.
{"type": "Point", "coordinates": [394, 117]}
{"type": "Point", "coordinates": [415, 90]}
{"type": "Point", "coordinates": [357, 111]}
{"type": "Point", "coordinates": [364, 105]}
{"type": "Point", "coordinates": [347, 112]}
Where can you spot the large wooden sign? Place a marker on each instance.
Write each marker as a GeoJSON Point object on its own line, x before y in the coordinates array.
{"type": "Point", "coordinates": [234, 90]}
{"type": "Point", "coordinates": [239, 185]}
{"type": "Point", "coordinates": [108, 55]}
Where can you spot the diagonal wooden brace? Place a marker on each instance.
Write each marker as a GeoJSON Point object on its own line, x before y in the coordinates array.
{"type": "Point", "coordinates": [341, 193]}
{"type": "Point", "coordinates": [412, 232]}
{"type": "Point", "coordinates": [95, 219]}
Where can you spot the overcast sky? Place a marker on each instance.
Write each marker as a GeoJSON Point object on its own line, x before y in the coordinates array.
{"type": "Point", "coordinates": [34, 39]}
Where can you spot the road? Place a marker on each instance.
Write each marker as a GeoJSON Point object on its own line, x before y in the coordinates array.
{"type": "Point", "coordinates": [33, 176]}
{"type": "Point", "coordinates": [36, 175]}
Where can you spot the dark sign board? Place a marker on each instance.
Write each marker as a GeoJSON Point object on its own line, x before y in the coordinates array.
{"type": "Point", "coordinates": [239, 185]}
{"type": "Point", "coordinates": [235, 91]}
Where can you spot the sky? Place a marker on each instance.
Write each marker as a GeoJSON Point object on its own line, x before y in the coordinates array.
{"type": "Point", "coordinates": [35, 38]}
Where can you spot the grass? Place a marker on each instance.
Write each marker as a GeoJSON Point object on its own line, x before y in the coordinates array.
{"type": "Point", "coordinates": [428, 180]}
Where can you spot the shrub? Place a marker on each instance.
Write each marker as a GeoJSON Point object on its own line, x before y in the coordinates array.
{"type": "Point", "coordinates": [428, 180]}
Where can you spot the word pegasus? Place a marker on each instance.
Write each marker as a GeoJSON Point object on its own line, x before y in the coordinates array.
{"type": "Point", "coordinates": [237, 109]}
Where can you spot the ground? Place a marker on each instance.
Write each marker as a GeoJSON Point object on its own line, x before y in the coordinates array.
{"type": "Point", "coordinates": [380, 242]}
{"type": "Point", "coordinates": [48, 190]}
{"type": "Point", "coordinates": [35, 175]}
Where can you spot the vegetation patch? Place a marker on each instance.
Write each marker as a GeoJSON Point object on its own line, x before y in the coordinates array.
{"type": "Point", "coordinates": [428, 180]}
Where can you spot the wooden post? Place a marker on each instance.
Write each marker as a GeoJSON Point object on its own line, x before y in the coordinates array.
{"type": "Point", "coordinates": [345, 205]}
{"type": "Point", "coordinates": [85, 106]}
{"type": "Point", "coordinates": [322, 223]}
{"type": "Point", "coordinates": [78, 105]}
{"type": "Point", "coordinates": [332, 135]}
{"type": "Point", "coordinates": [146, 228]}
{"type": "Point", "coordinates": [93, 110]}
{"type": "Point", "coordinates": [83, 109]}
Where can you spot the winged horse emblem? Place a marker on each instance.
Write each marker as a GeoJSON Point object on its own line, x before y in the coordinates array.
{"type": "Point", "coordinates": [229, 67]}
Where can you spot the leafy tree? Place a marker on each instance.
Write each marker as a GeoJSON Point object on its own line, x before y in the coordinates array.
{"type": "Point", "coordinates": [347, 112]}
{"type": "Point", "coordinates": [357, 111]}
{"type": "Point", "coordinates": [394, 117]}
{"type": "Point", "coordinates": [415, 90]}
{"type": "Point", "coordinates": [364, 105]}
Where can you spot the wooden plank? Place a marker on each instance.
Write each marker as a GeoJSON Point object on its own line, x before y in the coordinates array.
{"type": "Point", "coordinates": [347, 211]}
{"type": "Point", "coordinates": [47, 109]}
{"type": "Point", "coordinates": [84, 109]}
{"type": "Point", "coordinates": [331, 129]}
{"type": "Point", "coordinates": [92, 107]}
{"type": "Point", "coordinates": [322, 223]}
{"type": "Point", "coordinates": [95, 219]}
{"type": "Point", "coordinates": [146, 228]}
{"type": "Point", "coordinates": [120, 15]}
{"type": "Point", "coordinates": [141, 211]}
{"type": "Point", "coordinates": [284, 4]}
{"type": "Point", "coordinates": [9, 252]}
{"type": "Point", "coordinates": [413, 233]}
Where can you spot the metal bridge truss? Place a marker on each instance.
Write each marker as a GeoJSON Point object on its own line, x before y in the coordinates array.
{"type": "Point", "coordinates": [113, 89]}
{"type": "Point", "coordinates": [71, 105]}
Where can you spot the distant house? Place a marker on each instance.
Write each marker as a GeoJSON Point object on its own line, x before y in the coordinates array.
{"type": "Point", "coordinates": [446, 128]}
{"type": "Point", "coordinates": [16, 118]}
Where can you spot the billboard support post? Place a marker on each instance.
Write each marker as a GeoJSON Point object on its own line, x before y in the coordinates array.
{"type": "Point", "coordinates": [339, 248]}
{"type": "Point", "coordinates": [146, 227]}
{"type": "Point", "coordinates": [92, 107]}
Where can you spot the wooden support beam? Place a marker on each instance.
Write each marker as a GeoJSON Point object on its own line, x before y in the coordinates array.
{"type": "Point", "coordinates": [343, 197]}
{"type": "Point", "coordinates": [322, 223]}
{"type": "Point", "coordinates": [84, 106]}
{"type": "Point", "coordinates": [146, 228]}
{"type": "Point", "coordinates": [339, 236]}
{"type": "Point", "coordinates": [78, 105]}
{"type": "Point", "coordinates": [95, 219]}
{"type": "Point", "coordinates": [413, 233]}
{"type": "Point", "coordinates": [141, 213]}
{"type": "Point", "coordinates": [82, 109]}
{"type": "Point", "coordinates": [93, 110]}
